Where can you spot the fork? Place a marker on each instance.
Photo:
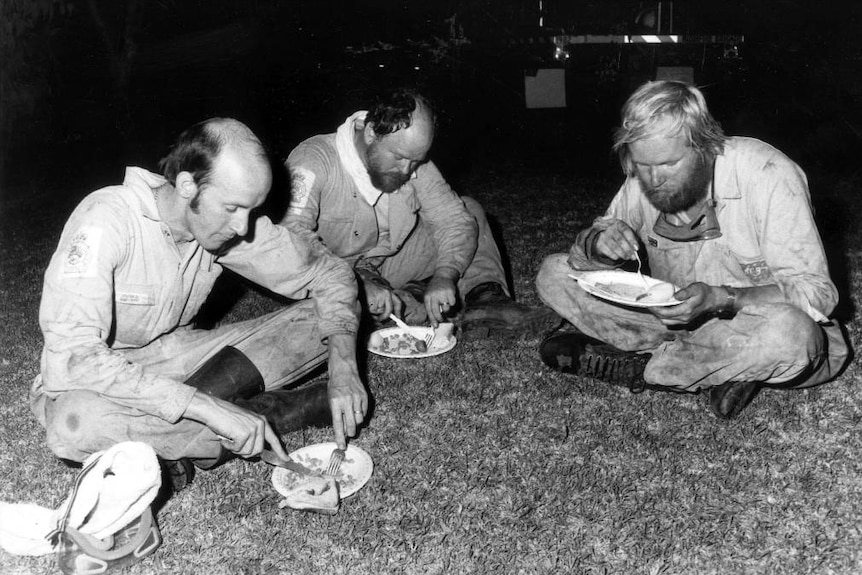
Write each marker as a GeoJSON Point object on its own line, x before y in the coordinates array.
{"type": "Point", "coordinates": [428, 337]}
{"type": "Point", "coordinates": [640, 275]}
{"type": "Point", "coordinates": [335, 461]}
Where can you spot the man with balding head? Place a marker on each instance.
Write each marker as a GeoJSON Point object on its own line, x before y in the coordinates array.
{"type": "Point", "coordinates": [122, 360]}
{"type": "Point", "coordinates": [419, 250]}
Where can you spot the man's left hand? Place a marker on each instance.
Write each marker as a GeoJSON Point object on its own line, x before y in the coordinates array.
{"type": "Point", "coordinates": [697, 299]}
{"type": "Point", "coordinates": [348, 399]}
{"type": "Point", "coordinates": [440, 296]}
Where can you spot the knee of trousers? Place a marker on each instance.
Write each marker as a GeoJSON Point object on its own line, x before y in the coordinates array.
{"type": "Point", "coordinates": [552, 276]}
{"type": "Point", "coordinates": [792, 333]}
{"type": "Point", "coordinates": [474, 207]}
{"type": "Point", "coordinates": [75, 425]}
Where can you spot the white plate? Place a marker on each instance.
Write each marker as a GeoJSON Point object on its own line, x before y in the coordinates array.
{"type": "Point", "coordinates": [439, 345]}
{"type": "Point", "coordinates": [354, 472]}
{"type": "Point", "coordinates": [621, 287]}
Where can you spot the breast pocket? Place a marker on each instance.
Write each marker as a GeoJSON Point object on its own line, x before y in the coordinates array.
{"type": "Point", "coordinates": [671, 261]}
{"type": "Point", "coordinates": [136, 313]}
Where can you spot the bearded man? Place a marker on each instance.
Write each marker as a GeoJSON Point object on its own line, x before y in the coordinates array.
{"type": "Point", "coordinates": [419, 250]}
{"type": "Point", "coordinates": [728, 220]}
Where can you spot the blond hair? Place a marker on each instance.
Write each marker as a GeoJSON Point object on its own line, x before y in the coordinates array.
{"type": "Point", "coordinates": [667, 109]}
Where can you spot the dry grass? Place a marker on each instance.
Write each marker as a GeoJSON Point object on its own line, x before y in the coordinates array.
{"type": "Point", "coordinates": [487, 462]}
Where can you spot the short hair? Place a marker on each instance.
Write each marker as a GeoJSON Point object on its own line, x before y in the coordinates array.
{"type": "Point", "coordinates": [668, 108]}
{"type": "Point", "coordinates": [197, 148]}
{"type": "Point", "coordinates": [393, 111]}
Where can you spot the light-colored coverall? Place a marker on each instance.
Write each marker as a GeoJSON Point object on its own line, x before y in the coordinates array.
{"type": "Point", "coordinates": [402, 236]}
{"type": "Point", "coordinates": [117, 309]}
{"type": "Point", "coordinates": [768, 237]}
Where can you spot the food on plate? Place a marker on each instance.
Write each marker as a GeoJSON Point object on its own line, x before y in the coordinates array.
{"type": "Point", "coordinates": [292, 481]}
{"type": "Point", "coordinates": [316, 493]}
{"type": "Point", "coordinates": [620, 290]}
{"type": "Point", "coordinates": [660, 292]}
{"type": "Point", "coordinates": [657, 293]}
{"type": "Point", "coordinates": [376, 340]}
{"type": "Point", "coordinates": [401, 344]}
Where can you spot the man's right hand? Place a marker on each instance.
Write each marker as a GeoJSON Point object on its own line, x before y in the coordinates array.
{"type": "Point", "coordinates": [617, 242]}
{"type": "Point", "coordinates": [381, 301]}
{"type": "Point", "coordinates": [242, 432]}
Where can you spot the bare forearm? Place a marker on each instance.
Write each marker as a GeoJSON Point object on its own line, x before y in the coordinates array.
{"type": "Point", "coordinates": [342, 356]}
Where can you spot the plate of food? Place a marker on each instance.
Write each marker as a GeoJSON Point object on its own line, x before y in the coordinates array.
{"type": "Point", "coordinates": [627, 288]}
{"type": "Point", "coordinates": [399, 342]}
{"type": "Point", "coordinates": [353, 474]}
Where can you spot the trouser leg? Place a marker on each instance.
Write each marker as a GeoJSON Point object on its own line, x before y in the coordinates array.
{"type": "Point", "coordinates": [487, 264]}
{"type": "Point", "coordinates": [283, 346]}
{"type": "Point", "coordinates": [775, 344]}
{"type": "Point", "coordinates": [83, 422]}
{"type": "Point", "coordinates": [417, 258]}
{"type": "Point", "coordinates": [625, 328]}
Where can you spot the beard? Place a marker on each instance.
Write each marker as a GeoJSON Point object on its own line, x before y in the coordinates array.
{"type": "Point", "coordinates": [386, 182]}
{"type": "Point", "coordinates": [680, 197]}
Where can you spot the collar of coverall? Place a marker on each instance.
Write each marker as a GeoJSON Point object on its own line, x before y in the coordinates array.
{"type": "Point", "coordinates": [702, 225]}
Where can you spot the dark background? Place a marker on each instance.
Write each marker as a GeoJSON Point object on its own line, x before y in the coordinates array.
{"type": "Point", "coordinates": [89, 86]}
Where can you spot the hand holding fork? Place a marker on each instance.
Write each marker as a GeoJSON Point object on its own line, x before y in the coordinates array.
{"type": "Point", "coordinates": [427, 338]}
{"type": "Point", "coordinates": [335, 461]}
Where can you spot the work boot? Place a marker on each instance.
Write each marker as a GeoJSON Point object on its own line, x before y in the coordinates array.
{"type": "Point", "coordinates": [729, 399]}
{"type": "Point", "coordinates": [578, 354]}
{"type": "Point", "coordinates": [488, 311]}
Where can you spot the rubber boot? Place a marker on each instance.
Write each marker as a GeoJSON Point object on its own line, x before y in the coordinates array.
{"type": "Point", "coordinates": [228, 375]}
{"type": "Point", "coordinates": [292, 409]}
{"type": "Point", "coordinates": [231, 376]}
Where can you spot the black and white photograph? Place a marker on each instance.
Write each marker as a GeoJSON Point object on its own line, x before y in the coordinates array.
{"type": "Point", "coordinates": [458, 287]}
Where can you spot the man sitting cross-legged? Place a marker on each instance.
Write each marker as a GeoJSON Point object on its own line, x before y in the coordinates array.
{"type": "Point", "coordinates": [419, 250]}
{"type": "Point", "coordinates": [727, 220]}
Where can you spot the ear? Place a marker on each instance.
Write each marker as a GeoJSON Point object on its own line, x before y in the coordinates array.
{"type": "Point", "coordinates": [186, 186]}
{"type": "Point", "coordinates": [368, 134]}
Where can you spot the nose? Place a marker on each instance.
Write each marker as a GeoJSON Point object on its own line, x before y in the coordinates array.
{"type": "Point", "coordinates": [405, 167]}
{"type": "Point", "coordinates": [239, 224]}
{"type": "Point", "coordinates": [656, 178]}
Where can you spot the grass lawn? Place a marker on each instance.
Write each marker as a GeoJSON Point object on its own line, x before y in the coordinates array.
{"type": "Point", "coordinates": [486, 461]}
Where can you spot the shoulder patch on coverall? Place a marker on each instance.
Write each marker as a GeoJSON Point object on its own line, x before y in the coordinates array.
{"type": "Point", "coordinates": [82, 254]}
{"type": "Point", "coordinates": [301, 182]}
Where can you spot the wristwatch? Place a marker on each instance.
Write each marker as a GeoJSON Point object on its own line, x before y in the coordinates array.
{"type": "Point", "coordinates": [729, 307]}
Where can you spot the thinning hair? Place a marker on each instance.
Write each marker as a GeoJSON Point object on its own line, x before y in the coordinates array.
{"type": "Point", "coordinates": [668, 109]}
{"type": "Point", "coordinates": [197, 148]}
{"type": "Point", "coordinates": [393, 111]}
